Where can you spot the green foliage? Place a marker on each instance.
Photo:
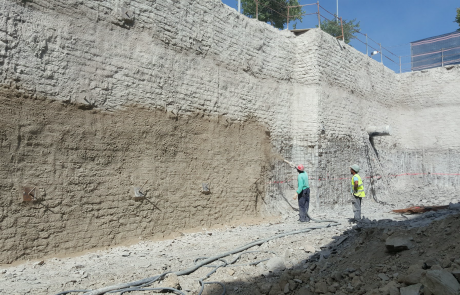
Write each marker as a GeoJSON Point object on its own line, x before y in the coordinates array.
{"type": "Point", "coordinates": [457, 18]}
{"type": "Point", "coordinates": [349, 28]}
{"type": "Point", "coordinates": [273, 11]}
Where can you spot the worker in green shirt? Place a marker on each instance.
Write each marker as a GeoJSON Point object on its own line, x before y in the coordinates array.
{"type": "Point", "coordinates": [303, 193]}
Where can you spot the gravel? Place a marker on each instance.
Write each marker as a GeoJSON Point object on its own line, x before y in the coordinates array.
{"type": "Point", "coordinates": [291, 265]}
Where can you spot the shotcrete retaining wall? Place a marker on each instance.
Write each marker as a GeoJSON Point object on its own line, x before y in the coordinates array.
{"type": "Point", "coordinates": [182, 56]}
{"type": "Point", "coordinates": [100, 96]}
{"type": "Point", "coordinates": [418, 161]}
{"type": "Point", "coordinates": [85, 165]}
{"type": "Point", "coordinates": [174, 96]}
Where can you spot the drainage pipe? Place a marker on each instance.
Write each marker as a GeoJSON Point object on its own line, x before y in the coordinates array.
{"type": "Point", "coordinates": [378, 130]}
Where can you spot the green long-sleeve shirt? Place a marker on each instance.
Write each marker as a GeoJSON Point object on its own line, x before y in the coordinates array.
{"type": "Point", "coordinates": [302, 182]}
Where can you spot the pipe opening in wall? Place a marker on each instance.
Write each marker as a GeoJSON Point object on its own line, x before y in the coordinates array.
{"type": "Point", "coordinates": [384, 130]}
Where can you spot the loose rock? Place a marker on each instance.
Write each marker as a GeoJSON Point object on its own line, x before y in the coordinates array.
{"type": "Point", "coordinates": [414, 275]}
{"type": "Point", "coordinates": [441, 282]}
{"type": "Point", "coordinates": [411, 290]}
{"type": "Point", "coordinates": [383, 277]}
{"type": "Point", "coordinates": [398, 243]}
{"type": "Point", "coordinates": [276, 264]}
{"type": "Point", "coordinates": [456, 274]}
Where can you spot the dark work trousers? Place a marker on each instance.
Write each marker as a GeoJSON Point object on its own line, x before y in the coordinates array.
{"type": "Point", "coordinates": [304, 203]}
{"type": "Point", "coordinates": [356, 203]}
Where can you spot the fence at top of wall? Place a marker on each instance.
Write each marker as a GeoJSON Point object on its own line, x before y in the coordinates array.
{"type": "Point", "coordinates": [397, 63]}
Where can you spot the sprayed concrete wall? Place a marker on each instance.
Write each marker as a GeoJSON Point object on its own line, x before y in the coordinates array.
{"type": "Point", "coordinates": [173, 96]}
{"type": "Point", "coordinates": [427, 148]}
{"type": "Point", "coordinates": [352, 92]}
{"type": "Point", "coordinates": [182, 56]}
{"type": "Point", "coordinates": [85, 165]}
{"type": "Point", "coordinates": [100, 96]}
{"type": "Point", "coordinates": [421, 157]}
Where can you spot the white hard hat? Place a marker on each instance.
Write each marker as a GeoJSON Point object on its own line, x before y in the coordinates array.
{"type": "Point", "coordinates": [355, 168]}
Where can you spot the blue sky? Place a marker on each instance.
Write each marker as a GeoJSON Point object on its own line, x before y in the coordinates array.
{"type": "Point", "coordinates": [394, 23]}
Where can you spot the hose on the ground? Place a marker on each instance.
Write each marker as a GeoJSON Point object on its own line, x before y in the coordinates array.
{"type": "Point", "coordinates": [72, 291]}
{"type": "Point", "coordinates": [140, 285]}
{"type": "Point", "coordinates": [151, 289]}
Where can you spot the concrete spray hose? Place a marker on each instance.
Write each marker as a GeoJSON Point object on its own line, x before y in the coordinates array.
{"type": "Point", "coordinates": [143, 285]}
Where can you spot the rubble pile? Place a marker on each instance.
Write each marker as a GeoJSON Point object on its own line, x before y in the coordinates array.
{"type": "Point", "coordinates": [383, 257]}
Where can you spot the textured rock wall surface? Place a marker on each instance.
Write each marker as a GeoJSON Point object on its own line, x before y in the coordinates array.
{"type": "Point", "coordinates": [185, 56]}
{"type": "Point", "coordinates": [189, 91]}
{"type": "Point", "coordinates": [427, 146]}
{"type": "Point", "coordinates": [182, 55]}
{"type": "Point", "coordinates": [85, 165]}
{"type": "Point", "coordinates": [427, 105]}
{"type": "Point", "coordinates": [351, 92]}
{"type": "Point", "coordinates": [421, 155]}
{"type": "Point", "coordinates": [420, 158]}
{"type": "Point", "coordinates": [356, 92]}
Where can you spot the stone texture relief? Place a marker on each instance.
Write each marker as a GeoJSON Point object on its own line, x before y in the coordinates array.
{"type": "Point", "coordinates": [85, 165]}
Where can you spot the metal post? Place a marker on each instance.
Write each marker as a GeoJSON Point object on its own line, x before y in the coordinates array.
{"type": "Point", "coordinates": [381, 55]}
{"type": "Point", "coordinates": [442, 57]}
{"type": "Point", "coordinates": [337, 11]}
{"type": "Point", "coordinates": [367, 49]}
{"type": "Point", "coordinates": [411, 59]}
{"type": "Point", "coordinates": [319, 16]}
{"type": "Point", "coordinates": [400, 65]}
{"type": "Point", "coordinates": [287, 20]}
{"type": "Point", "coordinates": [341, 24]}
{"type": "Point", "coordinates": [239, 6]}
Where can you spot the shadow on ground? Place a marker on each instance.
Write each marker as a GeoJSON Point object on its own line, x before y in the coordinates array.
{"type": "Point", "coordinates": [358, 262]}
{"type": "Point", "coordinates": [426, 260]}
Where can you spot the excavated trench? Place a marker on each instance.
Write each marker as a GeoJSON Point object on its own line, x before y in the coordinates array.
{"type": "Point", "coordinates": [162, 125]}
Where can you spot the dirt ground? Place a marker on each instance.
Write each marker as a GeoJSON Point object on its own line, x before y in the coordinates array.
{"type": "Point", "coordinates": [342, 259]}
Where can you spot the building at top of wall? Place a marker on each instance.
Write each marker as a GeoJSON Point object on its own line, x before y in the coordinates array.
{"type": "Point", "coordinates": [436, 51]}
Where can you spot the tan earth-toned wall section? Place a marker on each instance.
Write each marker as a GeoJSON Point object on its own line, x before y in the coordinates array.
{"type": "Point", "coordinates": [188, 92]}
{"type": "Point", "coordinates": [85, 164]}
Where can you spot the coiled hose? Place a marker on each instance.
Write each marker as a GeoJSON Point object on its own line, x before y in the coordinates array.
{"type": "Point", "coordinates": [142, 285]}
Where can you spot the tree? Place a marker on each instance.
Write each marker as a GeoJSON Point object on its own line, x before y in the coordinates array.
{"type": "Point", "coordinates": [333, 27]}
{"type": "Point", "coordinates": [273, 11]}
{"type": "Point", "coordinates": [457, 19]}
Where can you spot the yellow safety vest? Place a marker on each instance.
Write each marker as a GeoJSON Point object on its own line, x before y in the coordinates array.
{"type": "Point", "coordinates": [360, 193]}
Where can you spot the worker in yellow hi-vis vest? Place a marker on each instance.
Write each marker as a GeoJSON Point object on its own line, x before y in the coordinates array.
{"type": "Point", "coordinates": [357, 190]}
